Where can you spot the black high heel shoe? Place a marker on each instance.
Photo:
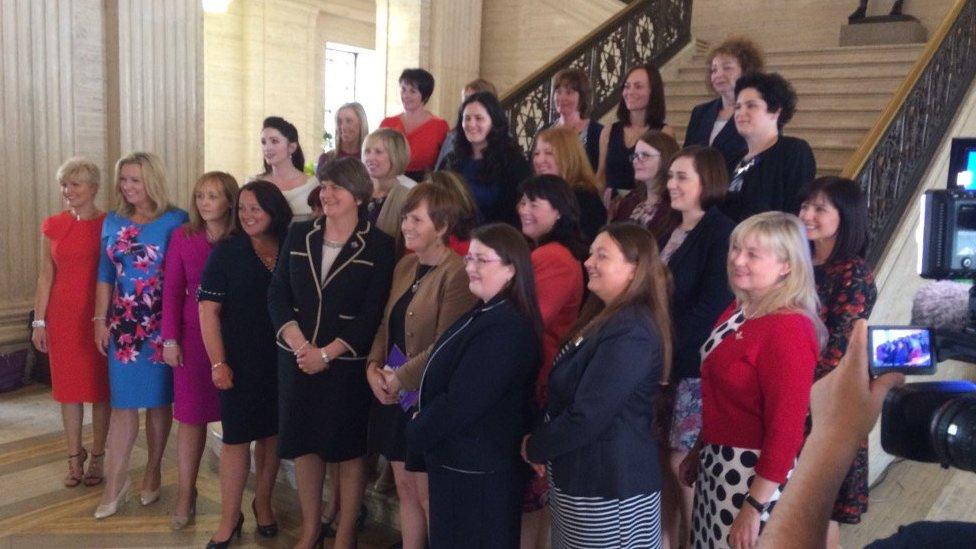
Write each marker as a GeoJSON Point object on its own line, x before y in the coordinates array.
{"type": "Point", "coordinates": [226, 543]}
{"type": "Point", "coordinates": [264, 530]}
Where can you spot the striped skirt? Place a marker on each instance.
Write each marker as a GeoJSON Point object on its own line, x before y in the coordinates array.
{"type": "Point", "coordinates": [601, 523]}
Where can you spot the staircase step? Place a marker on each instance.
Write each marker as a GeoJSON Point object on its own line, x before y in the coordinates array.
{"type": "Point", "coordinates": [807, 100]}
{"type": "Point", "coordinates": [823, 70]}
{"type": "Point", "coordinates": [810, 85]}
{"type": "Point", "coordinates": [860, 54]}
{"type": "Point", "coordinates": [824, 118]}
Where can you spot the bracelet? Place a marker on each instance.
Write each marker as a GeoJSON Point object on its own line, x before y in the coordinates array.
{"type": "Point", "coordinates": [169, 343]}
{"type": "Point", "coordinates": [761, 507]}
{"type": "Point", "coordinates": [221, 363]}
{"type": "Point", "coordinates": [38, 324]}
{"type": "Point", "coordinates": [102, 318]}
{"type": "Point", "coordinates": [302, 346]}
{"type": "Point", "coordinates": [325, 356]}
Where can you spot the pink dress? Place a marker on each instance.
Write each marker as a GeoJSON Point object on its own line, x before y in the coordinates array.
{"type": "Point", "coordinates": [195, 399]}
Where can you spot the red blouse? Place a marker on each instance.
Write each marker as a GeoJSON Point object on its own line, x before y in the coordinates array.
{"type": "Point", "coordinates": [756, 388]}
{"type": "Point", "coordinates": [559, 290]}
{"type": "Point", "coordinates": [425, 141]}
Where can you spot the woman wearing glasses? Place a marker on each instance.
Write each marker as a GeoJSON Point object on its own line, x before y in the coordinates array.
{"type": "Point", "coordinates": [474, 398]}
{"type": "Point", "coordinates": [775, 167]}
{"type": "Point", "coordinates": [647, 204]}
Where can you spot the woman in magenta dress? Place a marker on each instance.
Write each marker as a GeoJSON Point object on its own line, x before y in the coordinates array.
{"type": "Point", "coordinates": [195, 400]}
{"type": "Point", "coordinates": [424, 131]}
{"type": "Point", "coordinates": [63, 308]}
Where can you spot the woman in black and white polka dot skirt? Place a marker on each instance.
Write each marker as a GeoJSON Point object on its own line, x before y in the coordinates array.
{"type": "Point", "coordinates": [757, 370]}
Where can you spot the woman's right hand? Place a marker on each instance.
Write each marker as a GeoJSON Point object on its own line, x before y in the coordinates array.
{"type": "Point", "coordinates": [39, 339]}
{"type": "Point", "coordinates": [223, 377]}
{"type": "Point", "coordinates": [378, 384]}
{"type": "Point", "coordinates": [688, 470]}
{"type": "Point", "coordinates": [173, 356]}
{"type": "Point", "coordinates": [101, 337]}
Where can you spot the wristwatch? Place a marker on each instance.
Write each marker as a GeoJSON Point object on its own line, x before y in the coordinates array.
{"type": "Point", "coordinates": [38, 324]}
{"type": "Point", "coordinates": [761, 507]}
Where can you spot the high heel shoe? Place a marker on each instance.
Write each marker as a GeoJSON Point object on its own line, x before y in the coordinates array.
{"type": "Point", "coordinates": [76, 469]}
{"type": "Point", "coordinates": [148, 497]}
{"type": "Point", "coordinates": [94, 475]}
{"type": "Point", "coordinates": [226, 543]}
{"type": "Point", "coordinates": [176, 522]}
{"type": "Point", "coordinates": [108, 509]}
{"type": "Point", "coordinates": [264, 530]}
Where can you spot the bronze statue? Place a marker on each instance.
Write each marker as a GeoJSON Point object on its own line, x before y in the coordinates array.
{"type": "Point", "coordinates": [862, 9]}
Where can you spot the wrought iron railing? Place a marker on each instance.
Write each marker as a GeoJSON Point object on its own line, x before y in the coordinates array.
{"type": "Point", "coordinates": [892, 161]}
{"type": "Point", "coordinates": [645, 31]}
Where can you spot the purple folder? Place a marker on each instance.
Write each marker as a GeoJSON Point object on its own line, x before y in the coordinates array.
{"type": "Point", "coordinates": [396, 359]}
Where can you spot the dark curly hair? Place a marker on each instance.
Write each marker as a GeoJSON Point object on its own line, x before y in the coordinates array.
{"type": "Point", "coordinates": [273, 203]}
{"type": "Point", "coordinates": [501, 147]}
{"type": "Point", "coordinates": [775, 90]}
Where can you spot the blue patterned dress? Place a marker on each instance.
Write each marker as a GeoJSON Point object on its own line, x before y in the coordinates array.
{"type": "Point", "coordinates": [132, 262]}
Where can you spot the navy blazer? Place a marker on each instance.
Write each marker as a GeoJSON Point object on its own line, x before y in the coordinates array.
{"type": "Point", "coordinates": [701, 289]}
{"type": "Point", "coordinates": [728, 141]}
{"type": "Point", "coordinates": [598, 436]}
{"type": "Point", "coordinates": [349, 305]}
{"type": "Point", "coordinates": [475, 392]}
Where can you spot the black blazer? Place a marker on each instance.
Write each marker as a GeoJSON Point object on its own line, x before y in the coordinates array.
{"type": "Point", "coordinates": [774, 182]}
{"type": "Point", "coordinates": [701, 289]}
{"type": "Point", "coordinates": [475, 392]}
{"type": "Point", "coordinates": [350, 304]}
{"type": "Point", "coordinates": [728, 141]}
{"type": "Point", "coordinates": [598, 434]}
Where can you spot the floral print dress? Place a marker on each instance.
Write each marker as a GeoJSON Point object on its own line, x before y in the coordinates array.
{"type": "Point", "coordinates": [847, 292]}
{"type": "Point", "coordinates": [132, 262]}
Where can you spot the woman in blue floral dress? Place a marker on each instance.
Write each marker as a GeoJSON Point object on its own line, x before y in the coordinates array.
{"type": "Point", "coordinates": [128, 318]}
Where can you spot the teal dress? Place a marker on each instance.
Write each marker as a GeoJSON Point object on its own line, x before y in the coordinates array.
{"type": "Point", "coordinates": [132, 262]}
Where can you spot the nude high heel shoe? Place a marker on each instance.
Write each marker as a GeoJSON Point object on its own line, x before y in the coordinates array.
{"type": "Point", "coordinates": [108, 509]}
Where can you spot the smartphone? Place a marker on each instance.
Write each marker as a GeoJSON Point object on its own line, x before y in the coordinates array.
{"type": "Point", "coordinates": [905, 349]}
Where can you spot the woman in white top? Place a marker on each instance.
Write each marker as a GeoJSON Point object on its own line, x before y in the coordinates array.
{"type": "Point", "coordinates": [284, 165]}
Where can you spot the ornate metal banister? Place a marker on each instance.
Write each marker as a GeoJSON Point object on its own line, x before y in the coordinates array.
{"type": "Point", "coordinates": [646, 30]}
{"type": "Point", "coordinates": [890, 164]}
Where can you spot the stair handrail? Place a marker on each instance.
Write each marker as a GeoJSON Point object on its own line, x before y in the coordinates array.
{"type": "Point", "coordinates": [892, 160]}
{"type": "Point", "coordinates": [645, 31]}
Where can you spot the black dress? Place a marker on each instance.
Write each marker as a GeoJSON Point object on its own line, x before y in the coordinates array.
{"type": "Point", "coordinates": [593, 215]}
{"type": "Point", "coordinates": [392, 421]}
{"type": "Point", "coordinates": [772, 182]}
{"type": "Point", "coordinates": [237, 279]}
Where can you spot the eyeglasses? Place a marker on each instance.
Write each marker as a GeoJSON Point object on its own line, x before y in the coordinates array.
{"type": "Point", "coordinates": [643, 156]}
{"type": "Point", "coordinates": [480, 261]}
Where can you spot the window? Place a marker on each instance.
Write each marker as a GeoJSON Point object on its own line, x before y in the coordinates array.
{"type": "Point", "coordinates": [350, 75]}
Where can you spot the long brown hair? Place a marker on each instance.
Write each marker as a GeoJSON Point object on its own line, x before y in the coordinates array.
{"type": "Point", "coordinates": [228, 186]}
{"type": "Point", "coordinates": [571, 158]}
{"type": "Point", "coordinates": [650, 288]}
{"type": "Point", "coordinates": [667, 219]}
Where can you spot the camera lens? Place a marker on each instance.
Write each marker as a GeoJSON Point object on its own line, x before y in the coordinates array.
{"type": "Point", "coordinates": [953, 432]}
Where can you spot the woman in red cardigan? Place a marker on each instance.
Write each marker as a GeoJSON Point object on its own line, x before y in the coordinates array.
{"type": "Point", "coordinates": [756, 374]}
{"type": "Point", "coordinates": [549, 215]}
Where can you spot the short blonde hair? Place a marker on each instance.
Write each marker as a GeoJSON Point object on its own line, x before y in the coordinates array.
{"type": "Point", "coordinates": [574, 165]}
{"type": "Point", "coordinates": [396, 147]}
{"type": "Point", "coordinates": [784, 235]}
{"type": "Point", "coordinates": [153, 176]}
{"type": "Point", "coordinates": [79, 167]}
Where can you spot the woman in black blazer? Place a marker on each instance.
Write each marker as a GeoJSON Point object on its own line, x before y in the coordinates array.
{"type": "Point", "coordinates": [326, 300]}
{"type": "Point", "coordinates": [775, 167]}
{"type": "Point", "coordinates": [475, 397]}
{"type": "Point", "coordinates": [597, 436]}
{"type": "Point", "coordinates": [710, 121]}
{"type": "Point", "coordinates": [695, 252]}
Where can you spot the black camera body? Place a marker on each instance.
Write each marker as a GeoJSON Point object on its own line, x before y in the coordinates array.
{"type": "Point", "coordinates": [935, 421]}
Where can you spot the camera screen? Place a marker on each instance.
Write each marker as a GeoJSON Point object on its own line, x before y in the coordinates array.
{"type": "Point", "coordinates": [901, 347]}
{"type": "Point", "coordinates": [964, 248]}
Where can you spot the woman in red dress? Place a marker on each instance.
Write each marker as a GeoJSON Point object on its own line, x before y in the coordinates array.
{"type": "Point", "coordinates": [63, 308]}
{"type": "Point", "coordinates": [424, 131]}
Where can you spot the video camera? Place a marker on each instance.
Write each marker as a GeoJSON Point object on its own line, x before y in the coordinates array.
{"type": "Point", "coordinates": [935, 421]}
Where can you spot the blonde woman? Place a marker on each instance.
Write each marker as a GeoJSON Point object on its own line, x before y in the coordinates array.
{"type": "Point", "coordinates": [385, 154]}
{"type": "Point", "coordinates": [756, 373]}
{"type": "Point", "coordinates": [62, 311]}
{"type": "Point", "coordinates": [351, 130]}
{"type": "Point", "coordinates": [128, 320]}
{"type": "Point", "coordinates": [558, 151]}
{"type": "Point", "coordinates": [195, 397]}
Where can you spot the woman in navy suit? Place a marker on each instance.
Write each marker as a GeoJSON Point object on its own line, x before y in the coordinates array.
{"type": "Point", "coordinates": [695, 253]}
{"type": "Point", "coordinates": [711, 122]}
{"type": "Point", "coordinates": [475, 397]}
{"type": "Point", "coordinates": [326, 300]}
{"type": "Point", "coordinates": [603, 461]}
